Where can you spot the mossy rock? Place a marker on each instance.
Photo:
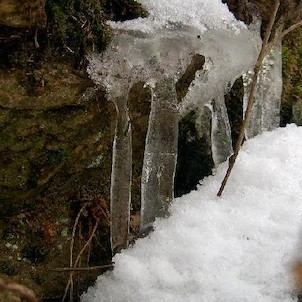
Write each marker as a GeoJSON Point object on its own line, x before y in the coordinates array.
{"type": "Point", "coordinates": [23, 13]}
{"type": "Point", "coordinates": [292, 83]}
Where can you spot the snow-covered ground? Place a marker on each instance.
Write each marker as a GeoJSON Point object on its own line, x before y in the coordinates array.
{"type": "Point", "coordinates": [233, 249]}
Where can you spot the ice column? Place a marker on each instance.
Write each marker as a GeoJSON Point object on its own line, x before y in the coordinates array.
{"type": "Point", "coordinates": [114, 72]}
{"type": "Point", "coordinates": [160, 48]}
{"type": "Point", "coordinates": [221, 132]}
{"type": "Point", "coordinates": [120, 192]}
{"type": "Point", "coordinates": [266, 110]}
{"type": "Point", "coordinates": [160, 154]}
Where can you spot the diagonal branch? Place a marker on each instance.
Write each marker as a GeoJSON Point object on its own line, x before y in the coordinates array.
{"type": "Point", "coordinates": [250, 103]}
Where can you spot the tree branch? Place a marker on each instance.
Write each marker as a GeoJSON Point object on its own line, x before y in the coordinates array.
{"type": "Point", "coordinates": [81, 269]}
{"type": "Point", "coordinates": [250, 103]}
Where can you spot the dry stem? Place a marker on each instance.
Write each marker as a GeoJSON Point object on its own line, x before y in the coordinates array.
{"type": "Point", "coordinates": [265, 49]}
{"type": "Point", "coordinates": [81, 269]}
{"type": "Point", "coordinates": [69, 285]}
{"type": "Point", "coordinates": [263, 52]}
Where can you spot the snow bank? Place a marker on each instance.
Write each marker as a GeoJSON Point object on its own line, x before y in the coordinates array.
{"type": "Point", "coordinates": [236, 248]}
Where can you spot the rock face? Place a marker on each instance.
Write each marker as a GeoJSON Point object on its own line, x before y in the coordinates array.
{"type": "Point", "coordinates": [291, 110]}
{"type": "Point", "coordinates": [56, 133]}
{"type": "Point", "coordinates": [55, 146]}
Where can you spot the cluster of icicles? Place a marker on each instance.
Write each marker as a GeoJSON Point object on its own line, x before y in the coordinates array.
{"type": "Point", "coordinates": [157, 51]}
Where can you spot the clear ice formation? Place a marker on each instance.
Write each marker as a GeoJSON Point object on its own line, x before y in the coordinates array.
{"type": "Point", "coordinates": [221, 132]}
{"type": "Point", "coordinates": [114, 74]}
{"type": "Point", "coordinates": [157, 50]}
{"type": "Point", "coordinates": [120, 190]}
{"type": "Point", "coordinates": [267, 102]}
{"type": "Point", "coordinates": [160, 154]}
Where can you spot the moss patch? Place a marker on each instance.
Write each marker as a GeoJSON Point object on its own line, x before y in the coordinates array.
{"type": "Point", "coordinates": [292, 83]}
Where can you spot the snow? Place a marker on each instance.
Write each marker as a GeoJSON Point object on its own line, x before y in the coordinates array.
{"type": "Point", "coordinates": [236, 248]}
{"type": "Point", "coordinates": [167, 14]}
{"type": "Point", "coordinates": [163, 44]}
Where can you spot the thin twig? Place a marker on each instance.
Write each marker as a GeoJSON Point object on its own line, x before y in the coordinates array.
{"type": "Point", "coordinates": [70, 280]}
{"type": "Point", "coordinates": [69, 285]}
{"type": "Point", "coordinates": [257, 68]}
{"type": "Point", "coordinates": [280, 36]}
{"type": "Point", "coordinates": [73, 233]}
{"type": "Point", "coordinates": [87, 243]}
{"type": "Point", "coordinates": [290, 29]}
{"type": "Point", "coordinates": [83, 269]}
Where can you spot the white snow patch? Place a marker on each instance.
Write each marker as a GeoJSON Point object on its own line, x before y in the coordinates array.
{"type": "Point", "coordinates": [233, 249]}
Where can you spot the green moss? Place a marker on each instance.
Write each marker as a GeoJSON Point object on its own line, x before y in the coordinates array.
{"type": "Point", "coordinates": [121, 10]}
{"type": "Point", "coordinates": [15, 173]}
{"type": "Point", "coordinates": [59, 18]}
{"type": "Point", "coordinates": [7, 268]}
{"type": "Point", "coordinates": [292, 83]}
{"type": "Point", "coordinates": [77, 26]}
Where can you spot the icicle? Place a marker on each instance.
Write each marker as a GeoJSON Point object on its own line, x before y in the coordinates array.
{"type": "Point", "coordinates": [121, 178]}
{"type": "Point", "coordinates": [221, 132]}
{"type": "Point", "coordinates": [266, 110]}
{"type": "Point", "coordinates": [160, 154]}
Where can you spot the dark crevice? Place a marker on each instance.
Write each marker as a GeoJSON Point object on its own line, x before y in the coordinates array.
{"type": "Point", "coordinates": [194, 157]}
{"type": "Point", "coordinates": [234, 104]}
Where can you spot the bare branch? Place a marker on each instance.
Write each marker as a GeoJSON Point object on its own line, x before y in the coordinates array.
{"type": "Point", "coordinates": [69, 285]}
{"type": "Point", "coordinates": [290, 29]}
{"type": "Point", "coordinates": [81, 269]}
{"type": "Point", "coordinates": [250, 103]}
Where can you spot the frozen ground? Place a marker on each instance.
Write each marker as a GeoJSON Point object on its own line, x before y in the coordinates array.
{"type": "Point", "coordinates": [234, 249]}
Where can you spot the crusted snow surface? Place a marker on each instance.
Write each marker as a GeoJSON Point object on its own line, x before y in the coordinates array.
{"type": "Point", "coordinates": [236, 248]}
{"type": "Point", "coordinates": [206, 14]}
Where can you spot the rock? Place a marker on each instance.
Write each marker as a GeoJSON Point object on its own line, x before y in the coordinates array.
{"type": "Point", "coordinates": [297, 113]}
{"type": "Point", "coordinates": [28, 13]}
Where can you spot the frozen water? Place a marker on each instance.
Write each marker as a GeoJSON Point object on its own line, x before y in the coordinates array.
{"type": "Point", "coordinates": [160, 154]}
{"type": "Point", "coordinates": [121, 174]}
{"type": "Point", "coordinates": [233, 250]}
{"type": "Point", "coordinates": [228, 56]}
{"type": "Point", "coordinates": [266, 110]}
{"type": "Point", "coordinates": [162, 45]}
{"type": "Point", "coordinates": [159, 48]}
{"type": "Point", "coordinates": [113, 71]}
{"type": "Point", "coordinates": [221, 132]}
{"type": "Point", "coordinates": [236, 248]}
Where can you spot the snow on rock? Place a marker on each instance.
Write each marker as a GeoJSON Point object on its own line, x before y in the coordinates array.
{"type": "Point", "coordinates": [236, 248]}
{"type": "Point", "coordinates": [166, 14]}
{"type": "Point", "coordinates": [163, 44]}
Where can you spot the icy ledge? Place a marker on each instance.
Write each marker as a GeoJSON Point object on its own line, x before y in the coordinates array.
{"type": "Point", "coordinates": [157, 50]}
